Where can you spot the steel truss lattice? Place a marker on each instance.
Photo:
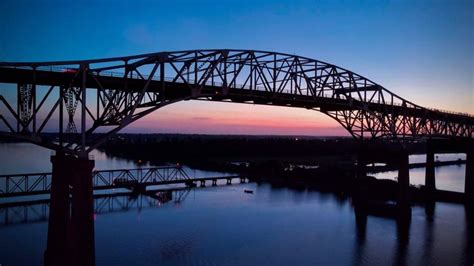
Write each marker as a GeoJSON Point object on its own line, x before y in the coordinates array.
{"type": "Point", "coordinates": [109, 94]}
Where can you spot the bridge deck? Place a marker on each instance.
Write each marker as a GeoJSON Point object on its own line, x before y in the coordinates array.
{"type": "Point", "coordinates": [40, 183]}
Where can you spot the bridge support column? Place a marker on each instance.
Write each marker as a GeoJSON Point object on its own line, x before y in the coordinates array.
{"type": "Point", "coordinates": [59, 214]}
{"type": "Point", "coordinates": [469, 179]}
{"type": "Point", "coordinates": [214, 182]}
{"type": "Point", "coordinates": [403, 180]}
{"type": "Point", "coordinates": [71, 222]}
{"type": "Point", "coordinates": [430, 181]}
{"type": "Point", "coordinates": [362, 163]}
{"type": "Point", "coordinates": [82, 214]}
{"type": "Point", "coordinates": [404, 209]}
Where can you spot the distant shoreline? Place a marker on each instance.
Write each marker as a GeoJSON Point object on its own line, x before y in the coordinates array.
{"type": "Point", "coordinates": [167, 135]}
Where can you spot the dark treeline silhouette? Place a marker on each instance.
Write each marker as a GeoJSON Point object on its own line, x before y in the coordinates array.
{"type": "Point", "coordinates": [192, 148]}
{"type": "Point", "coordinates": [322, 163]}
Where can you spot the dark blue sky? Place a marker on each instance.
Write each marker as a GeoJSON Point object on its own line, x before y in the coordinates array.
{"type": "Point", "coordinates": [421, 50]}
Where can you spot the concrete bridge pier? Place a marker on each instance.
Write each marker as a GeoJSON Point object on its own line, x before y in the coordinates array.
{"type": "Point", "coordinates": [71, 219]}
{"type": "Point", "coordinates": [82, 213]}
{"type": "Point", "coordinates": [59, 214]}
{"type": "Point", "coordinates": [430, 181]}
{"type": "Point", "coordinates": [469, 181]}
{"type": "Point", "coordinates": [404, 208]}
{"type": "Point", "coordinates": [403, 205]}
{"type": "Point", "coordinates": [361, 164]}
{"type": "Point", "coordinates": [403, 180]}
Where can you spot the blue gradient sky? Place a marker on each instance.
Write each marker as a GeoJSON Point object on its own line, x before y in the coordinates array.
{"type": "Point", "coordinates": [421, 50]}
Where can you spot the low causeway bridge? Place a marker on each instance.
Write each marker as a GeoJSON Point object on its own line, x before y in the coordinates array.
{"type": "Point", "coordinates": [136, 180]}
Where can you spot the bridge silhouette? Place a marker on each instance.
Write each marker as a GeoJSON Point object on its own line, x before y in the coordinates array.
{"type": "Point", "coordinates": [78, 99]}
{"type": "Point", "coordinates": [137, 180]}
{"type": "Point", "coordinates": [112, 93]}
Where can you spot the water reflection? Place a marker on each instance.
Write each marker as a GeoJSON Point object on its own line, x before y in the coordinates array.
{"type": "Point", "coordinates": [403, 239]}
{"type": "Point", "coordinates": [359, 244]}
{"type": "Point", "coordinates": [173, 227]}
{"type": "Point", "coordinates": [430, 209]}
{"type": "Point", "coordinates": [449, 178]}
{"type": "Point", "coordinates": [469, 240]}
{"type": "Point", "coordinates": [402, 222]}
{"type": "Point", "coordinates": [223, 225]}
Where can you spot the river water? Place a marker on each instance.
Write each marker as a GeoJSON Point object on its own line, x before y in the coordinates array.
{"type": "Point", "coordinates": [225, 226]}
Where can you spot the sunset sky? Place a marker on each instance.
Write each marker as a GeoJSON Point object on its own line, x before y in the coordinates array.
{"type": "Point", "coordinates": [421, 50]}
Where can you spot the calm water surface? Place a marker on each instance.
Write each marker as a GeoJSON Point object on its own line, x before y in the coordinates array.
{"type": "Point", "coordinates": [225, 226]}
{"type": "Point", "coordinates": [450, 177]}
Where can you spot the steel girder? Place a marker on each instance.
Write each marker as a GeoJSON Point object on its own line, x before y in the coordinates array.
{"type": "Point", "coordinates": [112, 93]}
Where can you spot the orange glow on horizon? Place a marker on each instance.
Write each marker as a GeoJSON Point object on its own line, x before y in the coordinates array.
{"type": "Point", "coordinates": [198, 117]}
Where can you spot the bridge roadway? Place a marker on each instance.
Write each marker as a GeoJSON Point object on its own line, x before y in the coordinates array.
{"type": "Point", "coordinates": [136, 180]}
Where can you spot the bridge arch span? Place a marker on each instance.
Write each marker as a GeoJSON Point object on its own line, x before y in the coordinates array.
{"type": "Point", "coordinates": [109, 94]}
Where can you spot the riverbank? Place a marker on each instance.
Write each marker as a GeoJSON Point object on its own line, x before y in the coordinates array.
{"type": "Point", "coordinates": [330, 169]}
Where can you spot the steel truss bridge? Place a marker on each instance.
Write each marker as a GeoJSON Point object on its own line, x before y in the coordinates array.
{"type": "Point", "coordinates": [106, 95]}
{"type": "Point", "coordinates": [30, 210]}
{"type": "Point", "coordinates": [134, 179]}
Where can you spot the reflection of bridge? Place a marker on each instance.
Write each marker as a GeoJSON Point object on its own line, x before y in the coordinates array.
{"type": "Point", "coordinates": [38, 210]}
{"type": "Point", "coordinates": [112, 93]}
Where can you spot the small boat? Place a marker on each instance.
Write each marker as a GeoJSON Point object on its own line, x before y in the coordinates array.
{"type": "Point", "coordinates": [248, 191]}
